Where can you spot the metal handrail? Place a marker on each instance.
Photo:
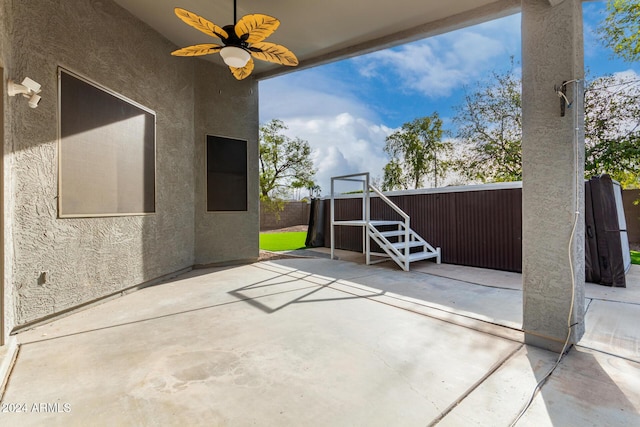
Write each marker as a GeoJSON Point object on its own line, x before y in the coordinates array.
{"type": "Point", "coordinates": [366, 209]}
{"type": "Point", "coordinates": [407, 225]}
{"type": "Point", "coordinates": [395, 207]}
{"type": "Point", "coordinates": [368, 230]}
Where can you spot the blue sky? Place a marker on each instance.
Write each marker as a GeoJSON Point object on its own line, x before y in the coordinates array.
{"type": "Point", "coordinates": [346, 109]}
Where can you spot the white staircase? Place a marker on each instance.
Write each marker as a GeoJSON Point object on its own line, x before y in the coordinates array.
{"type": "Point", "coordinates": [394, 237]}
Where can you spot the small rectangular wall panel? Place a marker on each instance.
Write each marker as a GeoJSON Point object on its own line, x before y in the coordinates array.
{"type": "Point", "coordinates": [226, 174]}
{"type": "Point", "coordinates": [107, 152]}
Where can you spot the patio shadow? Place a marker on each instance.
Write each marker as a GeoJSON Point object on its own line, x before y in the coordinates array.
{"type": "Point", "coordinates": [293, 276]}
{"type": "Point", "coordinates": [587, 388]}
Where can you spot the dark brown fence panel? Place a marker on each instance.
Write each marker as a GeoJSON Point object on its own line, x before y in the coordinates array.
{"type": "Point", "coordinates": [474, 228]}
{"type": "Point", "coordinates": [631, 213]}
{"type": "Point", "coordinates": [489, 229]}
{"type": "Point", "coordinates": [348, 238]}
{"type": "Point", "coordinates": [432, 218]}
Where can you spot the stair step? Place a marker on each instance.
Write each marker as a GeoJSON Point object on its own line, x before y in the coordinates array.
{"type": "Point", "coordinates": [400, 245]}
{"type": "Point", "coordinates": [381, 223]}
{"type": "Point", "coordinates": [393, 233]}
{"type": "Point", "coordinates": [354, 222]}
{"type": "Point", "coordinates": [380, 254]}
{"type": "Point", "coordinates": [418, 256]}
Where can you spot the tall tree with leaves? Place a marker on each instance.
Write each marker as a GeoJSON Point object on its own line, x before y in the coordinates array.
{"type": "Point", "coordinates": [416, 150]}
{"type": "Point", "coordinates": [285, 163]}
{"type": "Point", "coordinates": [490, 127]}
{"type": "Point", "coordinates": [620, 30]}
{"type": "Point", "coordinates": [612, 128]}
{"type": "Point", "coordinates": [490, 130]}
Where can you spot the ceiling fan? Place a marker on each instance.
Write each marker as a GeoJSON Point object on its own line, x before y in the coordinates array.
{"type": "Point", "coordinates": [241, 41]}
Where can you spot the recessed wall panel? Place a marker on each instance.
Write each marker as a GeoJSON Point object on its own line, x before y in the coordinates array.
{"type": "Point", "coordinates": [226, 174]}
{"type": "Point", "coordinates": [106, 151]}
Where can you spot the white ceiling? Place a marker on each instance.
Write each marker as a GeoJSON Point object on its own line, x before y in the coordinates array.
{"type": "Point", "coordinates": [321, 31]}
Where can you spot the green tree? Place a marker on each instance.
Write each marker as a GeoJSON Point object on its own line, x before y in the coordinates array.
{"type": "Point", "coordinates": [620, 30]}
{"type": "Point", "coordinates": [285, 163]}
{"type": "Point", "coordinates": [490, 130]}
{"type": "Point", "coordinates": [612, 128]}
{"type": "Point", "coordinates": [415, 151]}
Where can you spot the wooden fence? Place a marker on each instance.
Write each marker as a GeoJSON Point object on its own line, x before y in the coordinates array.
{"type": "Point", "coordinates": [478, 226]}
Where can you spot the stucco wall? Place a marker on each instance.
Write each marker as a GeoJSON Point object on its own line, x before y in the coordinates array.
{"type": "Point", "coordinates": [92, 257]}
{"type": "Point", "coordinates": [552, 157]}
{"type": "Point", "coordinates": [5, 63]}
{"type": "Point", "coordinates": [225, 107]}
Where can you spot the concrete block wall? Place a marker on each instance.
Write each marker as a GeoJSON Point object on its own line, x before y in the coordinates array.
{"type": "Point", "coordinates": [294, 213]}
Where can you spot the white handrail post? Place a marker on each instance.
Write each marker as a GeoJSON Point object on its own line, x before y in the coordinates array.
{"type": "Point", "coordinates": [367, 217]}
{"type": "Point", "coordinates": [406, 244]}
{"type": "Point", "coordinates": [332, 220]}
{"type": "Point", "coordinates": [363, 215]}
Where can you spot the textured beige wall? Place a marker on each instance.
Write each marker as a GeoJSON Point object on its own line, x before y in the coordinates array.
{"type": "Point", "coordinates": [552, 52]}
{"type": "Point", "coordinates": [8, 320]}
{"type": "Point", "coordinates": [225, 107]}
{"type": "Point", "coordinates": [92, 257]}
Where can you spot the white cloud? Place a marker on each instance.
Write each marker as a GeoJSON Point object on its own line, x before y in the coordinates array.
{"type": "Point", "coordinates": [308, 93]}
{"type": "Point", "coordinates": [342, 144]}
{"type": "Point", "coordinates": [345, 134]}
{"type": "Point", "coordinates": [437, 66]}
{"type": "Point", "coordinates": [626, 76]}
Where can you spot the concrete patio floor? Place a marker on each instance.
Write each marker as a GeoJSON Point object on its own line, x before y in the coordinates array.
{"type": "Point", "coordinates": [315, 342]}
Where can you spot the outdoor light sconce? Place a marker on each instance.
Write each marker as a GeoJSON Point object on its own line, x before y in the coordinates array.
{"type": "Point", "coordinates": [29, 89]}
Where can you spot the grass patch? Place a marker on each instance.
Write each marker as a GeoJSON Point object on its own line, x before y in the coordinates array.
{"type": "Point", "coordinates": [283, 241]}
{"type": "Point", "coordinates": [635, 257]}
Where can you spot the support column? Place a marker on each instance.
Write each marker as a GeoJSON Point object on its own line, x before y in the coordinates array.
{"type": "Point", "coordinates": [553, 173]}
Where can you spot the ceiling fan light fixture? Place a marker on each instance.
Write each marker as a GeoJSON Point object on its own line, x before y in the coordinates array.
{"type": "Point", "coordinates": [235, 56]}
{"type": "Point", "coordinates": [242, 42]}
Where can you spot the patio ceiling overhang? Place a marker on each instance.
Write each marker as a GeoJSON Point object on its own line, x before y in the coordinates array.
{"type": "Point", "coordinates": [552, 144]}
{"type": "Point", "coordinates": [320, 32]}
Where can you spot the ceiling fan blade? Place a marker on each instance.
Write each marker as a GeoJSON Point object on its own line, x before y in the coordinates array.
{"type": "Point", "coordinates": [242, 73]}
{"type": "Point", "coordinates": [256, 27]}
{"type": "Point", "coordinates": [272, 52]}
{"type": "Point", "coordinates": [199, 23]}
{"type": "Point", "coordinates": [197, 50]}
